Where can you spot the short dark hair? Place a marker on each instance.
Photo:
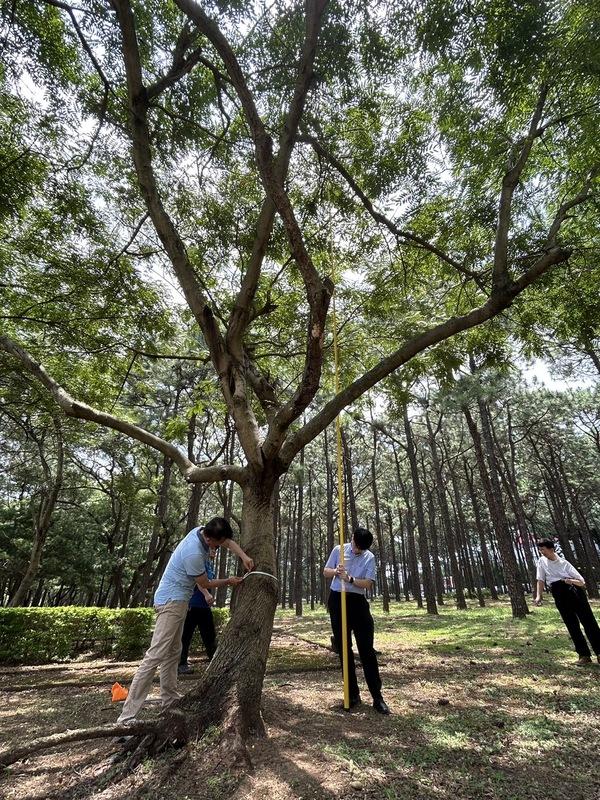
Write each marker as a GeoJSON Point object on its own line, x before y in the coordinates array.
{"type": "Point", "coordinates": [218, 528]}
{"type": "Point", "coordinates": [363, 538]}
{"type": "Point", "coordinates": [547, 542]}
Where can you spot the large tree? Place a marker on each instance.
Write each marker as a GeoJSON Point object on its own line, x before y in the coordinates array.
{"type": "Point", "coordinates": [422, 159]}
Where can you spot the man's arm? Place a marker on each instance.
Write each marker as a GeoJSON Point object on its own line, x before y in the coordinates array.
{"type": "Point", "coordinates": [576, 582]}
{"type": "Point", "coordinates": [540, 593]}
{"type": "Point", "coordinates": [330, 570]}
{"type": "Point", "coordinates": [576, 578]}
{"type": "Point", "coordinates": [340, 571]}
{"type": "Point", "coordinates": [237, 550]}
{"type": "Point", "coordinates": [207, 596]}
{"type": "Point", "coordinates": [203, 582]}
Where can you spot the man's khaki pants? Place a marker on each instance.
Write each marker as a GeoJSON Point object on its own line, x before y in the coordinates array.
{"type": "Point", "coordinates": [163, 652]}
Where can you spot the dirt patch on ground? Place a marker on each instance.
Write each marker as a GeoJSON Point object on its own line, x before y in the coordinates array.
{"type": "Point", "coordinates": [475, 715]}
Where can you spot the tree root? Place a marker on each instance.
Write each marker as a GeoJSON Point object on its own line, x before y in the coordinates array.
{"type": "Point", "coordinates": [9, 757]}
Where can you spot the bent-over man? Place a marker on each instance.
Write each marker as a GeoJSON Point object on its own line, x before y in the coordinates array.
{"type": "Point", "coordinates": [185, 570]}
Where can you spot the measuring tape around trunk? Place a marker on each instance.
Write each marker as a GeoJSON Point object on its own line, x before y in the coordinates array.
{"type": "Point", "coordinates": [258, 572]}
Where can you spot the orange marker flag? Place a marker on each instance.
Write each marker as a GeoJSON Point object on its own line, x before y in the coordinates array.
{"type": "Point", "coordinates": [119, 693]}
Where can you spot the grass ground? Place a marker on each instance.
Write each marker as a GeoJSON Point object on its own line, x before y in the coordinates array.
{"type": "Point", "coordinates": [483, 707]}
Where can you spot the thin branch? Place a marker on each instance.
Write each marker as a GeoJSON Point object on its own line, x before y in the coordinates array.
{"type": "Point", "coordinates": [84, 43]}
{"type": "Point", "coordinates": [380, 218]}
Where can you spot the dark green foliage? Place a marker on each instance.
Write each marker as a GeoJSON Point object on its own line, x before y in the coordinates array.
{"type": "Point", "coordinates": [39, 635]}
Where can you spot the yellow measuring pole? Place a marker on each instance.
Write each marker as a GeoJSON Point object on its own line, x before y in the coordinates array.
{"type": "Point", "coordinates": [340, 476]}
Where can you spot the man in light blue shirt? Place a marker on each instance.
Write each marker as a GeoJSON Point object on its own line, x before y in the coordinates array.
{"type": "Point", "coordinates": [354, 578]}
{"type": "Point", "coordinates": [185, 570]}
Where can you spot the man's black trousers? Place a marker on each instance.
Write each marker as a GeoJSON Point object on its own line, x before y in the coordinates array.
{"type": "Point", "coordinates": [574, 608]}
{"type": "Point", "coordinates": [202, 619]}
{"type": "Point", "coordinates": [360, 622]}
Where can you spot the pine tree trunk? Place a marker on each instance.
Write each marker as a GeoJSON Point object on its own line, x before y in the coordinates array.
{"type": "Point", "coordinates": [483, 539]}
{"type": "Point", "coordinates": [299, 540]}
{"type": "Point", "coordinates": [428, 583]}
{"type": "Point", "coordinates": [42, 519]}
{"type": "Point", "coordinates": [349, 482]}
{"type": "Point", "coordinates": [493, 492]}
{"type": "Point", "coordinates": [378, 531]}
{"type": "Point", "coordinates": [457, 577]}
{"type": "Point", "coordinates": [463, 535]}
{"type": "Point", "coordinates": [396, 581]}
{"type": "Point", "coordinates": [404, 550]}
{"type": "Point", "coordinates": [293, 539]}
{"type": "Point", "coordinates": [435, 548]}
{"type": "Point", "coordinates": [141, 591]}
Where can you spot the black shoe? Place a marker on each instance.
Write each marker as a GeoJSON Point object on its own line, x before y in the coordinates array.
{"type": "Point", "coordinates": [185, 669]}
{"type": "Point", "coordinates": [355, 701]}
{"type": "Point", "coordinates": [381, 706]}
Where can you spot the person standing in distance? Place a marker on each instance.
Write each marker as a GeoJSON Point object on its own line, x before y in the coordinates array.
{"type": "Point", "coordinates": [357, 575]}
{"type": "Point", "coordinates": [568, 589]}
{"type": "Point", "coordinates": [186, 569]}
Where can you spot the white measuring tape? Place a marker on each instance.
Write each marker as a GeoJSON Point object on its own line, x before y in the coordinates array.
{"type": "Point", "coordinates": [258, 572]}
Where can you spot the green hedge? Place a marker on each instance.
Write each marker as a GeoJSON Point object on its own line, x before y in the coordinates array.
{"type": "Point", "coordinates": [39, 635]}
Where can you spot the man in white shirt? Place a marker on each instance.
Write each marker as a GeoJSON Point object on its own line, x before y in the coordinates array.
{"type": "Point", "coordinates": [354, 578]}
{"type": "Point", "coordinates": [568, 589]}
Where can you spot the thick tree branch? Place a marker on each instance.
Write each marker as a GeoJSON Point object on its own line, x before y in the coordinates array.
{"type": "Point", "coordinates": [75, 408]}
{"type": "Point", "coordinates": [494, 305]}
{"type": "Point", "coordinates": [273, 172]}
{"type": "Point", "coordinates": [231, 380]}
{"type": "Point", "coordinates": [518, 158]}
{"type": "Point", "coordinates": [182, 65]}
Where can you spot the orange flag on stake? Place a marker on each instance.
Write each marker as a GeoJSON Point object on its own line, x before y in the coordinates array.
{"type": "Point", "coordinates": [119, 693]}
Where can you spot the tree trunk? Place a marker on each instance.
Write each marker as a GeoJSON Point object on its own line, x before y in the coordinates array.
{"type": "Point", "coordinates": [311, 544]}
{"type": "Point", "coordinates": [378, 532]}
{"type": "Point", "coordinates": [396, 582]}
{"type": "Point", "coordinates": [446, 523]}
{"type": "Point", "coordinates": [329, 495]}
{"type": "Point", "coordinates": [404, 551]}
{"type": "Point", "coordinates": [428, 583]}
{"type": "Point", "coordinates": [483, 543]}
{"type": "Point", "coordinates": [586, 538]}
{"type": "Point", "coordinates": [350, 482]}
{"type": "Point", "coordinates": [491, 483]}
{"type": "Point", "coordinates": [299, 540]}
{"type": "Point", "coordinates": [463, 534]}
{"type": "Point", "coordinates": [140, 593]}
{"type": "Point", "coordinates": [435, 548]}
{"type": "Point", "coordinates": [231, 689]}
{"type": "Point", "coordinates": [42, 518]}
{"type": "Point", "coordinates": [284, 572]}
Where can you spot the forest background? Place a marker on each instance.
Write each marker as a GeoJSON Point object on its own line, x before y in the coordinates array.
{"type": "Point", "coordinates": [185, 187]}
